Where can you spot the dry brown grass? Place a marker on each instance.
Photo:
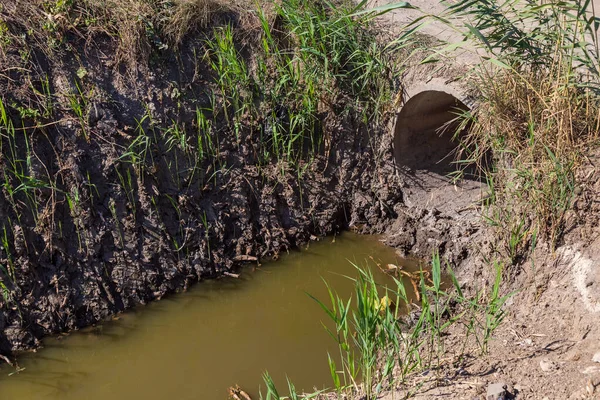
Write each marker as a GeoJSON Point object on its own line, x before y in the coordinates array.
{"type": "Point", "coordinates": [536, 125]}
{"type": "Point", "coordinates": [134, 26]}
{"type": "Point", "coordinates": [533, 110]}
{"type": "Point", "coordinates": [188, 15]}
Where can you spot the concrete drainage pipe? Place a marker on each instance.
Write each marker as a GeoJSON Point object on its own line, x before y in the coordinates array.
{"type": "Point", "coordinates": [424, 129]}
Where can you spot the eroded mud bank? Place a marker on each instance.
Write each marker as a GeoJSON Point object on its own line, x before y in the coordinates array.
{"type": "Point", "coordinates": [104, 210]}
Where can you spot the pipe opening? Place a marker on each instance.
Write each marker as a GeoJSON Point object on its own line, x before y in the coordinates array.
{"type": "Point", "coordinates": [424, 131]}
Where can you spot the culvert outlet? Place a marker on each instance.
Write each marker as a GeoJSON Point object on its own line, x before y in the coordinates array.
{"type": "Point", "coordinates": [424, 131]}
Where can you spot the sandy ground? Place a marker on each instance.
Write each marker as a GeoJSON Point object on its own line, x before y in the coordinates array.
{"type": "Point", "coordinates": [547, 348]}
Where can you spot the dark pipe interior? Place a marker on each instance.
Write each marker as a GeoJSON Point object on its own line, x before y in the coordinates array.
{"type": "Point", "coordinates": [424, 131]}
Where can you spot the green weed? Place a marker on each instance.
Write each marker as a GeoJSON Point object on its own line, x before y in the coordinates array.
{"type": "Point", "coordinates": [10, 267]}
{"type": "Point", "coordinates": [378, 350]}
{"type": "Point", "coordinates": [231, 75]}
{"type": "Point", "coordinates": [139, 152]}
{"type": "Point", "coordinates": [78, 103]}
{"type": "Point", "coordinates": [273, 394]}
{"type": "Point", "coordinates": [5, 38]}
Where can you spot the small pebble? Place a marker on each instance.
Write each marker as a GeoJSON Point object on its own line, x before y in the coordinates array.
{"type": "Point", "coordinates": [527, 342]}
{"type": "Point", "coordinates": [596, 357]}
{"type": "Point", "coordinates": [590, 387]}
{"type": "Point", "coordinates": [548, 366]}
{"type": "Point", "coordinates": [496, 391]}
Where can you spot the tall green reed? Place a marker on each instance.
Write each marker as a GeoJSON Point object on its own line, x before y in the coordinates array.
{"type": "Point", "coordinates": [379, 347]}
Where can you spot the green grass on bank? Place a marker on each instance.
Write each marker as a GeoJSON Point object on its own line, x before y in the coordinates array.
{"type": "Point", "coordinates": [382, 341]}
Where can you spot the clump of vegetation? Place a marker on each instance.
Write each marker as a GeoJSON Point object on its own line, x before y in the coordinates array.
{"type": "Point", "coordinates": [139, 27]}
{"type": "Point", "coordinates": [539, 111]}
{"type": "Point", "coordinates": [320, 56]}
{"type": "Point", "coordinates": [537, 128]}
{"type": "Point", "coordinates": [183, 17]}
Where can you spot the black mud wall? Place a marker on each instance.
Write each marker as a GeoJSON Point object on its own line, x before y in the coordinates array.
{"type": "Point", "coordinates": [89, 230]}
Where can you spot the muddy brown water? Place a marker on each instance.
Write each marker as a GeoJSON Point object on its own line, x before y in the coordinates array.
{"type": "Point", "coordinates": [195, 345]}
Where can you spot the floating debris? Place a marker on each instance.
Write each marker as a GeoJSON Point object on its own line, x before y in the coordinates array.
{"type": "Point", "coordinates": [236, 393]}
